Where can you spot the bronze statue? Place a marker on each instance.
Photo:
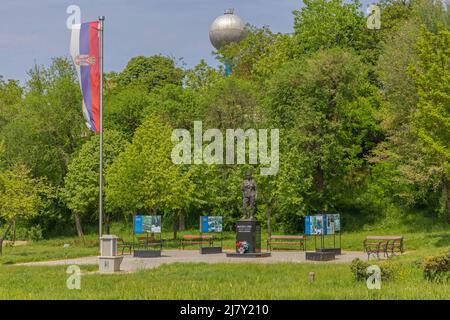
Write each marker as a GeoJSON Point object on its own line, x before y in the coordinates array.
{"type": "Point", "coordinates": [249, 196]}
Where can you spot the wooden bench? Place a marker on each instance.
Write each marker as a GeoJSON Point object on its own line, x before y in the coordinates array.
{"type": "Point", "coordinates": [373, 245]}
{"type": "Point", "coordinates": [124, 245]}
{"type": "Point", "coordinates": [298, 240]}
{"type": "Point", "coordinates": [148, 242]}
{"type": "Point", "coordinates": [189, 239]}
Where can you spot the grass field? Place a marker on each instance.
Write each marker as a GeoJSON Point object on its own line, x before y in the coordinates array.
{"type": "Point", "coordinates": [218, 281]}
{"type": "Point", "coordinates": [351, 241]}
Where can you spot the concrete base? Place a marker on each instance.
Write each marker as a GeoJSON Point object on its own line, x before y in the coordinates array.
{"type": "Point", "coordinates": [319, 256]}
{"type": "Point", "coordinates": [249, 255]}
{"type": "Point", "coordinates": [147, 253]}
{"type": "Point", "coordinates": [109, 264]}
{"type": "Point", "coordinates": [210, 250]}
{"type": "Point", "coordinates": [336, 251]}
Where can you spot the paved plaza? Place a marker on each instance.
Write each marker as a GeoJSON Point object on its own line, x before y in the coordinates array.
{"type": "Point", "coordinates": [131, 264]}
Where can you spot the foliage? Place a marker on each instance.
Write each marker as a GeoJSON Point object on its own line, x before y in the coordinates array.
{"type": "Point", "coordinates": [389, 269]}
{"type": "Point", "coordinates": [48, 126]}
{"type": "Point", "coordinates": [150, 72]}
{"type": "Point", "coordinates": [144, 177]}
{"type": "Point", "coordinates": [124, 109]}
{"type": "Point", "coordinates": [81, 188]}
{"type": "Point", "coordinates": [437, 268]}
{"type": "Point", "coordinates": [35, 233]}
{"type": "Point", "coordinates": [322, 24]}
{"type": "Point", "coordinates": [21, 197]}
{"type": "Point", "coordinates": [325, 106]}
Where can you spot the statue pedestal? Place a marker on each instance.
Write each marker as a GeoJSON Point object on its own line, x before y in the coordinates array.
{"type": "Point", "coordinates": [248, 240]}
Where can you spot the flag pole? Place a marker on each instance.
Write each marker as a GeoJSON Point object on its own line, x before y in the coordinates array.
{"type": "Point", "coordinates": [100, 210]}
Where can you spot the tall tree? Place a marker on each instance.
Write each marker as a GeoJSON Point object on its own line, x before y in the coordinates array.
{"type": "Point", "coordinates": [431, 75]}
{"type": "Point", "coordinates": [81, 188]}
{"type": "Point", "coordinates": [143, 177]}
{"type": "Point", "coordinates": [20, 196]}
{"type": "Point", "coordinates": [151, 72]}
{"type": "Point", "coordinates": [48, 126]}
{"type": "Point", "coordinates": [326, 107]}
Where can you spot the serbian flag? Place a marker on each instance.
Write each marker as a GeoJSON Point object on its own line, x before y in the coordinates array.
{"type": "Point", "coordinates": [84, 49]}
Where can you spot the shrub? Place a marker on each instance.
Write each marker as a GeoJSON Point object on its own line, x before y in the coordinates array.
{"type": "Point", "coordinates": [359, 269]}
{"type": "Point", "coordinates": [35, 233]}
{"type": "Point", "coordinates": [389, 269]}
{"type": "Point", "coordinates": [437, 268]}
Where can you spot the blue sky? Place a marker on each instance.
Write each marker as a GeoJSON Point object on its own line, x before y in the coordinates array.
{"type": "Point", "coordinates": [35, 30]}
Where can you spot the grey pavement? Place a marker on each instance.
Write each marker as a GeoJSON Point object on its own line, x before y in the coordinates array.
{"type": "Point", "coordinates": [131, 264]}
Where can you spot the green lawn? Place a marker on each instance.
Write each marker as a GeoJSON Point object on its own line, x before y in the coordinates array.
{"type": "Point", "coordinates": [54, 249]}
{"type": "Point", "coordinates": [216, 281]}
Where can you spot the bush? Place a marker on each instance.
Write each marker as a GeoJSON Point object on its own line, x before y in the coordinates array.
{"type": "Point", "coordinates": [35, 233]}
{"type": "Point", "coordinates": [389, 269]}
{"type": "Point", "coordinates": [359, 269]}
{"type": "Point", "coordinates": [437, 268]}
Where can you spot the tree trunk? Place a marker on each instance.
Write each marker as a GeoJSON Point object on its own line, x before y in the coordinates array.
{"type": "Point", "coordinates": [4, 234]}
{"type": "Point", "coordinates": [107, 223]}
{"type": "Point", "coordinates": [319, 182]}
{"type": "Point", "coordinates": [175, 226]}
{"type": "Point", "coordinates": [319, 179]}
{"type": "Point", "coordinates": [182, 221]}
{"type": "Point", "coordinates": [133, 214]}
{"type": "Point", "coordinates": [78, 224]}
{"type": "Point", "coordinates": [446, 191]}
{"type": "Point", "coordinates": [14, 232]}
{"type": "Point", "coordinates": [269, 215]}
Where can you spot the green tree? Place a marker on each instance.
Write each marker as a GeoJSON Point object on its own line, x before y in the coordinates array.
{"type": "Point", "coordinates": [10, 97]}
{"type": "Point", "coordinates": [322, 24]}
{"type": "Point", "coordinates": [431, 75]}
{"type": "Point", "coordinates": [151, 72]}
{"type": "Point", "coordinates": [20, 196]}
{"type": "Point", "coordinates": [81, 184]}
{"type": "Point", "coordinates": [202, 76]}
{"type": "Point", "coordinates": [124, 109]}
{"type": "Point", "coordinates": [175, 105]}
{"type": "Point", "coordinates": [410, 176]}
{"type": "Point", "coordinates": [325, 107]}
{"type": "Point", "coordinates": [143, 177]}
{"type": "Point", "coordinates": [231, 103]}
{"type": "Point", "coordinates": [48, 126]}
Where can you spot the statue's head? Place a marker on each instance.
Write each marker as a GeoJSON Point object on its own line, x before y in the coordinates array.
{"type": "Point", "coordinates": [248, 175]}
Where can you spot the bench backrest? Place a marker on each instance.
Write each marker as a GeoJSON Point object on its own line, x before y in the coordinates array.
{"type": "Point", "coordinates": [193, 236]}
{"type": "Point", "coordinates": [384, 238]}
{"type": "Point", "coordinates": [286, 237]}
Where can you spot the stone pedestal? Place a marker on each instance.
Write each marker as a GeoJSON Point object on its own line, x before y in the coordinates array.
{"type": "Point", "coordinates": [147, 253]}
{"type": "Point", "coordinates": [210, 250]}
{"type": "Point", "coordinates": [336, 251]}
{"type": "Point", "coordinates": [109, 261]}
{"type": "Point", "coordinates": [248, 240]}
{"type": "Point", "coordinates": [109, 264]}
{"type": "Point", "coordinates": [320, 256]}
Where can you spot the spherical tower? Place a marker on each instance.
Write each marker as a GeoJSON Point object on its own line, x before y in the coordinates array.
{"type": "Point", "coordinates": [226, 29]}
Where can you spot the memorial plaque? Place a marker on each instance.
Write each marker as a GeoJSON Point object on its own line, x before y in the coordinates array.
{"type": "Point", "coordinates": [248, 237]}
